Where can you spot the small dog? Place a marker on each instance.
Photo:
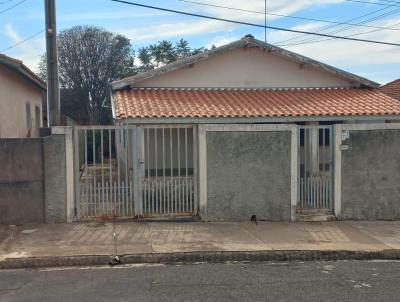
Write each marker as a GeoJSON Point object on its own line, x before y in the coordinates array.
{"type": "Point", "coordinates": [254, 218]}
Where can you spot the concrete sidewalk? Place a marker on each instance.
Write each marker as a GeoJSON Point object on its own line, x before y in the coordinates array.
{"type": "Point", "coordinates": [55, 241]}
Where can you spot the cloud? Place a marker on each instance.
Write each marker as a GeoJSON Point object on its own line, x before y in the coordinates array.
{"type": "Point", "coordinates": [202, 26]}
{"type": "Point", "coordinates": [177, 29]}
{"type": "Point", "coordinates": [222, 40]}
{"type": "Point", "coordinates": [285, 7]}
{"type": "Point", "coordinates": [351, 53]}
{"type": "Point", "coordinates": [28, 52]}
{"type": "Point", "coordinates": [373, 61]}
{"type": "Point", "coordinates": [91, 16]}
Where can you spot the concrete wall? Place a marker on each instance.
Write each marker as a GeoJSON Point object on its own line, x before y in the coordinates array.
{"type": "Point", "coordinates": [15, 92]}
{"type": "Point", "coordinates": [248, 173]}
{"type": "Point", "coordinates": [246, 68]}
{"type": "Point", "coordinates": [33, 180]}
{"type": "Point", "coordinates": [370, 175]}
{"type": "Point", "coordinates": [21, 181]}
{"type": "Point", "coordinates": [55, 198]}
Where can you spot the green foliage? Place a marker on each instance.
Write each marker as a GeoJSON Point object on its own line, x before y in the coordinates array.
{"type": "Point", "coordinates": [165, 52]}
{"type": "Point", "coordinates": [90, 58]}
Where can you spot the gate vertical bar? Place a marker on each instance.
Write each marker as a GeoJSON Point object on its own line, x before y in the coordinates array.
{"type": "Point", "coordinates": [156, 169]}
{"type": "Point", "coordinates": [109, 203]}
{"type": "Point", "coordinates": [170, 203]}
{"type": "Point", "coordinates": [86, 175]}
{"type": "Point", "coordinates": [186, 197]}
{"type": "Point", "coordinates": [102, 168]}
{"type": "Point", "coordinates": [179, 171]}
{"type": "Point", "coordinates": [77, 174]}
{"type": "Point", "coordinates": [148, 199]}
{"type": "Point", "coordinates": [117, 155]}
{"type": "Point", "coordinates": [307, 195]}
{"type": "Point", "coordinates": [127, 181]}
{"type": "Point", "coordinates": [331, 159]}
{"type": "Point", "coordinates": [136, 167]}
{"type": "Point", "coordinates": [163, 160]}
{"type": "Point", "coordinates": [195, 170]}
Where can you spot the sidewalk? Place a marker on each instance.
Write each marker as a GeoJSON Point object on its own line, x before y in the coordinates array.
{"type": "Point", "coordinates": [70, 244]}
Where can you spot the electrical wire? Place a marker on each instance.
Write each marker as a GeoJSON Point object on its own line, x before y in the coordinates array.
{"type": "Point", "coordinates": [388, 3]}
{"type": "Point", "coordinates": [4, 2]}
{"type": "Point", "coordinates": [23, 41]}
{"type": "Point", "coordinates": [323, 40]}
{"type": "Point", "coordinates": [281, 15]}
{"type": "Point", "coordinates": [332, 26]}
{"type": "Point", "coordinates": [11, 7]}
{"type": "Point", "coordinates": [347, 28]}
{"type": "Point", "coordinates": [253, 24]}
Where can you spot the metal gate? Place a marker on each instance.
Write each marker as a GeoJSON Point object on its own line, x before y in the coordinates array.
{"type": "Point", "coordinates": [131, 171]}
{"type": "Point", "coordinates": [169, 171]}
{"type": "Point", "coordinates": [315, 170]}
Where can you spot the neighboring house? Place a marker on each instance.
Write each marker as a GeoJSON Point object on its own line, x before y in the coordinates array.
{"type": "Point", "coordinates": [244, 129]}
{"type": "Point", "coordinates": [21, 96]}
{"type": "Point", "coordinates": [392, 89]}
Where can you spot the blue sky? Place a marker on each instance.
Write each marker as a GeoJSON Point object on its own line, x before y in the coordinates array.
{"type": "Point", "coordinates": [144, 26]}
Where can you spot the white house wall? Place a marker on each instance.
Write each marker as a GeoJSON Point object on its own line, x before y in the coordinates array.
{"type": "Point", "coordinates": [15, 92]}
{"type": "Point", "coordinates": [246, 68]}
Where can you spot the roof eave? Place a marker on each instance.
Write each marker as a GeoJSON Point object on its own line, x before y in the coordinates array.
{"type": "Point", "coordinates": [18, 67]}
{"type": "Point", "coordinates": [252, 120]}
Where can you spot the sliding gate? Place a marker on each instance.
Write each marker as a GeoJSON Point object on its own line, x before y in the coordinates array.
{"type": "Point", "coordinates": [315, 170]}
{"type": "Point", "coordinates": [135, 171]}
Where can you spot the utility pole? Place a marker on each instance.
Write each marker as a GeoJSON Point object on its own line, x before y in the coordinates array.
{"type": "Point", "coordinates": [53, 90]}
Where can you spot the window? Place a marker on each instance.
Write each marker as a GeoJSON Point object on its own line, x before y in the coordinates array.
{"type": "Point", "coordinates": [37, 117]}
{"type": "Point", "coordinates": [28, 117]}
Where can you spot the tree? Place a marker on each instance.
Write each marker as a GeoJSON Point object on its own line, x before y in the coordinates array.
{"type": "Point", "coordinates": [182, 49]}
{"type": "Point", "coordinates": [89, 59]}
{"type": "Point", "coordinates": [165, 52]}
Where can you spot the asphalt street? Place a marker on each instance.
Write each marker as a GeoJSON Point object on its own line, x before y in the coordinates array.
{"type": "Point", "coordinates": [294, 281]}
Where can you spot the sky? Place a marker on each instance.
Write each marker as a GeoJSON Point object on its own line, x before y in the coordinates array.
{"type": "Point", "coordinates": [144, 26]}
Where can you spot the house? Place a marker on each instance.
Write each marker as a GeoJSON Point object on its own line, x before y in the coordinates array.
{"type": "Point", "coordinates": [21, 96]}
{"type": "Point", "coordinates": [240, 130]}
{"type": "Point", "coordinates": [392, 89]}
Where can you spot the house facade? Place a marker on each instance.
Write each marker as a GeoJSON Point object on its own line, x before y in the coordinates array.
{"type": "Point", "coordinates": [241, 130]}
{"type": "Point", "coordinates": [21, 98]}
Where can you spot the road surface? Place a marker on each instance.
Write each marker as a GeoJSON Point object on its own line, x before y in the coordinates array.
{"type": "Point", "coordinates": [295, 281]}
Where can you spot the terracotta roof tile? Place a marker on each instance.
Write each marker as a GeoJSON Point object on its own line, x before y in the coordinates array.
{"type": "Point", "coordinates": [392, 89]}
{"type": "Point", "coordinates": [203, 103]}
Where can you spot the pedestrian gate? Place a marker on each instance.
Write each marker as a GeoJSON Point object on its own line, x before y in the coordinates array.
{"type": "Point", "coordinates": [315, 168]}
{"type": "Point", "coordinates": [135, 171]}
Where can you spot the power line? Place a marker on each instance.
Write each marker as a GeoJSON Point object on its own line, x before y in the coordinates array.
{"type": "Point", "coordinates": [253, 24]}
{"type": "Point", "coordinates": [4, 2]}
{"type": "Point", "coordinates": [350, 27]}
{"type": "Point", "coordinates": [23, 41]}
{"type": "Point", "coordinates": [388, 3]}
{"type": "Point", "coordinates": [323, 40]}
{"type": "Point", "coordinates": [332, 26]}
{"type": "Point", "coordinates": [281, 15]}
{"type": "Point", "coordinates": [11, 7]}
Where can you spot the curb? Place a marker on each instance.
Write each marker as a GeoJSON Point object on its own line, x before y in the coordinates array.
{"type": "Point", "coordinates": [192, 257]}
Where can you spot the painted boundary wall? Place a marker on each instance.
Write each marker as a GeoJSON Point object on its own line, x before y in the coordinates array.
{"type": "Point", "coordinates": [367, 171]}
{"type": "Point", "coordinates": [247, 170]}
{"type": "Point", "coordinates": [36, 179]}
{"type": "Point", "coordinates": [21, 181]}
